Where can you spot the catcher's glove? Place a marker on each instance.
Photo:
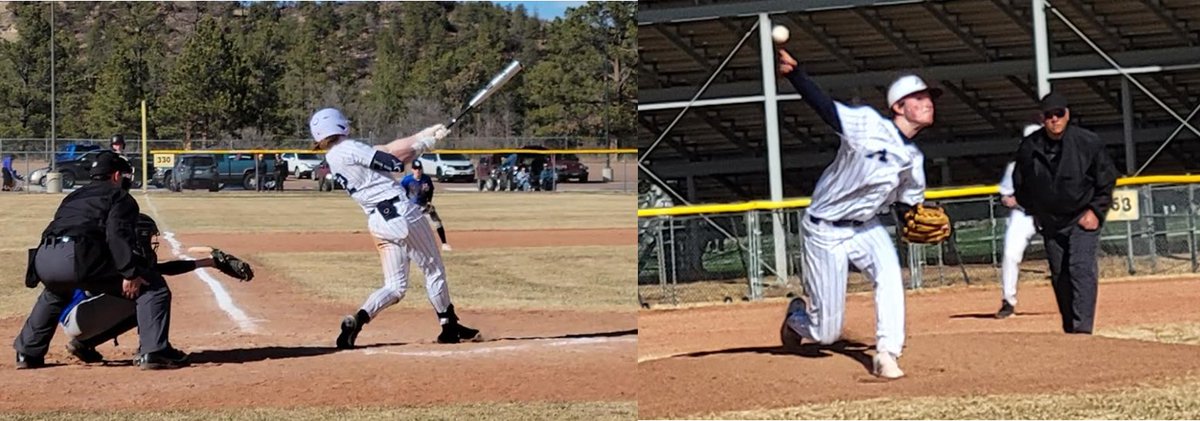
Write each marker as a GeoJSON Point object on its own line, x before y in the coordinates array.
{"type": "Point", "coordinates": [231, 265]}
{"type": "Point", "coordinates": [926, 224]}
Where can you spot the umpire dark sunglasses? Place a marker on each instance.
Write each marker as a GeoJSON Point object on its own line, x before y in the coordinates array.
{"type": "Point", "coordinates": [1060, 113]}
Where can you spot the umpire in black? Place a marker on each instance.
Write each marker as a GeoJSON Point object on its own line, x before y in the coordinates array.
{"type": "Point", "coordinates": [91, 245]}
{"type": "Point", "coordinates": [1064, 178]}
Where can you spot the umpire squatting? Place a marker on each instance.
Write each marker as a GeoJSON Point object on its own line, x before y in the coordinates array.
{"type": "Point", "coordinates": [1064, 178]}
{"type": "Point", "coordinates": [91, 245]}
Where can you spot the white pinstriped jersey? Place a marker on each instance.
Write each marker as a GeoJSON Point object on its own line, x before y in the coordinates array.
{"type": "Point", "coordinates": [874, 168]}
{"type": "Point", "coordinates": [350, 163]}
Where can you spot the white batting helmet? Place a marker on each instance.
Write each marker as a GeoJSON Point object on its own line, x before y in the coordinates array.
{"type": "Point", "coordinates": [907, 85]}
{"type": "Point", "coordinates": [328, 122]}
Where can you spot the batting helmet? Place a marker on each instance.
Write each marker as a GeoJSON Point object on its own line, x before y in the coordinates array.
{"type": "Point", "coordinates": [118, 139]}
{"type": "Point", "coordinates": [328, 122]}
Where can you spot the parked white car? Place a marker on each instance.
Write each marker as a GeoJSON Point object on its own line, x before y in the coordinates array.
{"type": "Point", "coordinates": [302, 165]}
{"type": "Point", "coordinates": [448, 166]}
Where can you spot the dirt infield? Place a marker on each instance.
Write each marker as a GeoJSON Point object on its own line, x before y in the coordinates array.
{"type": "Point", "coordinates": [717, 359]}
{"type": "Point", "coordinates": [341, 241]}
{"type": "Point", "coordinates": [281, 354]}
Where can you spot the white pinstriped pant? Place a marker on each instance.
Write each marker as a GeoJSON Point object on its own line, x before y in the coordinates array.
{"type": "Point", "coordinates": [828, 253]}
{"type": "Point", "coordinates": [406, 238]}
{"type": "Point", "coordinates": [1016, 237]}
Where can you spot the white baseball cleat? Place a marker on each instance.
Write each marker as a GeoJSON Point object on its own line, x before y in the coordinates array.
{"type": "Point", "coordinates": [446, 247]}
{"type": "Point", "coordinates": [886, 366]}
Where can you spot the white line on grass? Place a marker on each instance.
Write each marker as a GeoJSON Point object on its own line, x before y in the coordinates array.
{"type": "Point", "coordinates": [529, 345]}
{"type": "Point", "coordinates": [224, 300]}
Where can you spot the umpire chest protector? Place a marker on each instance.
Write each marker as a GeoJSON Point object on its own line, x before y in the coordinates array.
{"type": "Point", "coordinates": [74, 247]}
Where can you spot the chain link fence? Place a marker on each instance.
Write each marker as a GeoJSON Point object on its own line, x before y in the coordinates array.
{"type": "Point", "coordinates": [689, 259]}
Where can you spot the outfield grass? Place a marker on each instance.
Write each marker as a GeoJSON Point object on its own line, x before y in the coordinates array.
{"type": "Point", "coordinates": [1172, 399]}
{"type": "Point", "coordinates": [569, 278]}
{"type": "Point", "coordinates": [195, 212]}
{"type": "Point", "coordinates": [498, 411]}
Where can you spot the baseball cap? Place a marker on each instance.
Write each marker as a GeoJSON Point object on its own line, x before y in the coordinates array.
{"type": "Point", "coordinates": [108, 162]}
{"type": "Point", "coordinates": [907, 85]}
{"type": "Point", "coordinates": [416, 164]}
{"type": "Point", "coordinates": [1054, 101]}
{"type": "Point", "coordinates": [328, 122]}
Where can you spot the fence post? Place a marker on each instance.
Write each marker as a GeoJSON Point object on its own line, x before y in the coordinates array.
{"type": "Point", "coordinates": [914, 265]}
{"type": "Point", "coordinates": [755, 271]}
{"type": "Point", "coordinates": [992, 220]}
{"type": "Point", "coordinates": [1129, 247]}
{"type": "Point", "coordinates": [1151, 234]}
{"type": "Point", "coordinates": [662, 261]}
{"type": "Point", "coordinates": [1191, 210]}
{"type": "Point", "coordinates": [674, 263]}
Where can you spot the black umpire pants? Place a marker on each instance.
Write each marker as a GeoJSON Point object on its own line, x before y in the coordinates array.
{"type": "Point", "coordinates": [153, 314]}
{"type": "Point", "coordinates": [1071, 252]}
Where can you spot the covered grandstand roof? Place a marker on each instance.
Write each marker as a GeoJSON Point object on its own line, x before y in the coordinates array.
{"type": "Point", "coordinates": [980, 52]}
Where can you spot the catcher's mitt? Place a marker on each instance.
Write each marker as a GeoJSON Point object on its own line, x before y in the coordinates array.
{"type": "Point", "coordinates": [231, 265]}
{"type": "Point", "coordinates": [926, 224]}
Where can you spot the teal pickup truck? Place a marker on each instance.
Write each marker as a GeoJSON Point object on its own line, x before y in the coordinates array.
{"type": "Point", "coordinates": [232, 169]}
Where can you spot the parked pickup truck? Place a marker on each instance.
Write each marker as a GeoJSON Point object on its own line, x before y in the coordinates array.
{"type": "Point", "coordinates": [232, 169]}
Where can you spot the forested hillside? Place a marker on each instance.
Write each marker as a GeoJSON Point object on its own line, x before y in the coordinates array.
{"type": "Point", "coordinates": [255, 71]}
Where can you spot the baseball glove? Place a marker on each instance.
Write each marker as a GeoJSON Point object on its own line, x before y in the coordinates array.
{"type": "Point", "coordinates": [926, 224]}
{"type": "Point", "coordinates": [231, 265]}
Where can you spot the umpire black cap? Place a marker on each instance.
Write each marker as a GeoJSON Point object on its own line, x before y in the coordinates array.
{"type": "Point", "coordinates": [108, 162]}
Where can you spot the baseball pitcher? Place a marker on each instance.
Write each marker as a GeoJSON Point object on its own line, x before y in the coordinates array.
{"type": "Point", "coordinates": [398, 225]}
{"type": "Point", "coordinates": [876, 165]}
{"type": "Point", "coordinates": [1020, 229]}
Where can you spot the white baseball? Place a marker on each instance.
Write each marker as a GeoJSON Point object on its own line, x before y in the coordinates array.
{"type": "Point", "coordinates": [780, 34]}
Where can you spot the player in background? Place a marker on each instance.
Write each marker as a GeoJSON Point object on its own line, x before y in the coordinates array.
{"type": "Point", "coordinates": [1018, 232]}
{"type": "Point", "coordinates": [420, 192]}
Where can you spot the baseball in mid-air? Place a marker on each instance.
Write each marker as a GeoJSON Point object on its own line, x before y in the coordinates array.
{"type": "Point", "coordinates": [780, 34]}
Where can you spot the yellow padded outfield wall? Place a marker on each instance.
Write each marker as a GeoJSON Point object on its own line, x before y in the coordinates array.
{"type": "Point", "coordinates": [932, 194]}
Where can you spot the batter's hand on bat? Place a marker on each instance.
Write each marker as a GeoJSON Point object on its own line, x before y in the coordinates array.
{"type": "Point", "coordinates": [786, 63]}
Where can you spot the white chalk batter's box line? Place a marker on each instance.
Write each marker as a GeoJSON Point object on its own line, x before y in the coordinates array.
{"type": "Point", "coordinates": [524, 346]}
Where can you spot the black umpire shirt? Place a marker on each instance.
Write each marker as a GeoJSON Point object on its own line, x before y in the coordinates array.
{"type": "Point", "coordinates": [107, 213]}
{"type": "Point", "coordinates": [1057, 180]}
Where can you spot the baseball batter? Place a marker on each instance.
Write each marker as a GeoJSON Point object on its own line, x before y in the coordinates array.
{"type": "Point", "coordinates": [398, 225]}
{"type": "Point", "coordinates": [875, 166]}
{"type": "Point", "coordinates": [1019, 231]}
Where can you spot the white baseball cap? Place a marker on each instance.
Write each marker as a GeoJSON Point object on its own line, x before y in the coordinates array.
{"type": "Point", "coordinates": [907, 85]}
{"type": "Point", "coordinates": [328, 122]}
{"type": "Point", "coordinates": [1029, 129]}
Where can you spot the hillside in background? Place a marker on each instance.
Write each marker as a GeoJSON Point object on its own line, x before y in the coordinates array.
{"type": "Point", "coordinates": [253, 73]}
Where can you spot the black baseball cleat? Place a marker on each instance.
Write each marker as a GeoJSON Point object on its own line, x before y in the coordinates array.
{"type": "Point", "coordinates": [453, 333]}
{"type": "Point", "coordinates": [25, 362]}
{"type": "Point", "coordinates": [1006, 310]}
{"type": "Point", "coordinates": [165, 359]}
{"type": "Point", "coordinates": [351, 325]}
{"type": "Point", "coordinates": [788, 337]}
{"type": "Point", "coordinates": [84, 353]}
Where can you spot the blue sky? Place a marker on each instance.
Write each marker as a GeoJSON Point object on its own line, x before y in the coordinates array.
{"type": "Point", "coordinates": [547, 10]}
